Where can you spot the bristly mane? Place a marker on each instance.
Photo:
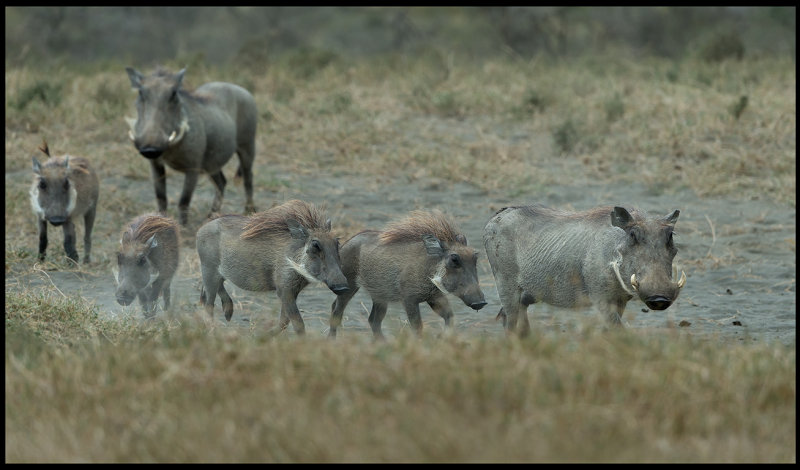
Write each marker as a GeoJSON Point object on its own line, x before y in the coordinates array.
{"type": "Point", "coordinates": [75, 163]}
{"type": "Point", "coordinates": [273, 220]}
{"type": "Point", "coordinates": [145, 226]}
{"type": "Point", "coordinates": [419, 223]}
{"type": "Point", "coordinates": [602, 213]}
{"type": "Point", "coordinates": [162, 72]}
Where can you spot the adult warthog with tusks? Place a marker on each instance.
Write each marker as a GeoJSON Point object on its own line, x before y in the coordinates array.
{"type": "Point", "coordinates": [602, 257]}
{"type": "Point", "coordinates": [282, 249]}
{"type": "Point", "coordinates": [149, 246]}
{"type": "Point", "coordinates": [420, 258]}
{"type": "Point", "coordinates": [64, 189]}
{"type": "Point", "coordinates": [193, 132]}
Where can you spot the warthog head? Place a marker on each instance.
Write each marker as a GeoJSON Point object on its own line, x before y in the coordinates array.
{"type": "Point", "coordinates": [319, 256]}
{"type": "Point", "coordinates": [647, 251]}
{"type": "Point", "coordinates": [53, 195]}
{"type": "Point", "coordinates": [161, 120]}
{"type": "Point", "coordinates": [457, 271]}
{"type": "Point", "coordinates": [134, 268]}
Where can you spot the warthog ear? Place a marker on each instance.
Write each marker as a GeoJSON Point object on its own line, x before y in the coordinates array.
{"type": "Point", "coordinates": [296, 229]}
{"type": "Point", "coordinates": [432, 245]}
{"type": "Point", "coordinates": [328, 225]}
{"type": "Point", "coordinates": [620, 217]}
{"type": "Point", "coordinates": [135, 77]}
{"type": "Point", "coordinates": [179, 77]}
{"type": "Point", "coordinates": [37, 167]}
{"type": "Point", "coordinates": [672, 218]}
{"type": "Point", "coordinates": [461, 238]}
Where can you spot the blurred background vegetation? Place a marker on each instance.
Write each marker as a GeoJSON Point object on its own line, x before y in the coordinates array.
{"type": "Point", "coordinates": [256, 36]}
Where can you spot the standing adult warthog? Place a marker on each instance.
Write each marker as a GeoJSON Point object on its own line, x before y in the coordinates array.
{"type": "Point", "coordinates": [193, 132]}
{"type": "Point", "coordinates": [281, 249]}
{"type": "Point", "coordinates": [578, 259]}
{"type": "Point", "coordinates": [149, 245]}
{"type": "Point", "coordinates": [64, 188]}
{"type": "Point", "coordinates": [417, 259]}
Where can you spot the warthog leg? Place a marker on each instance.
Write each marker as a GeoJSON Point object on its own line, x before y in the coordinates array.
{"type": "Point", "coordinates": [337, 309]}
{"type": "Point", "coordinates": [189, 183]}
{"type": "Point", "coordinates": [159, 174]}
{"type": "Point", "coordinates": [69, 240]}
{"type": "Point", "coordinates": [219, 191]}
{"type": "Point", "coordinates": [441, 306]}
{"type": "Point", "coordinates": [376, 318]}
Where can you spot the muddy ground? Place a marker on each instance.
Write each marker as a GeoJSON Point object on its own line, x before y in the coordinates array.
{"type": "Point", "coordinates": [739, 256]}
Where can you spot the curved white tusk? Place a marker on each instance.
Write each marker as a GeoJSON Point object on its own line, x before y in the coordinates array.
{"type": "Point", "coordinates": [172, 137]}
{"type": "Point", "coordinates": [634, 282]}
{"type": "Point", "coordinates": [682, 280]}
{"type": "Point", "coordinates": [130, 134]}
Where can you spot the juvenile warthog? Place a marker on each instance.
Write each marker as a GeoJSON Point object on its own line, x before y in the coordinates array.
{"type": "Point", "coordinates": [149, 246]}
{"type": "Point", "coordinates": [417, 259]}
{"type": "Point", "coordinates": [578, 259]}
{"type": "Point", "coordinates": [64, 189]}
{"type": "Point", "coordinates": [193, 132]}
{"type": "Point", "coordinates": [282, 249]}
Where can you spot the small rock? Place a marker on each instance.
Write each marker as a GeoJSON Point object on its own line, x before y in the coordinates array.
{"type": "Point", "coordinates": [728, 291]}
{"type": "Point", "coordinates": [684, 323]}
{"type": "Point", "coordinates": [737, 323]}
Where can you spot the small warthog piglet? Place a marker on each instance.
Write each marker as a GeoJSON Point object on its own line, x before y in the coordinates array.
{"type": "Point", "coordinates": [281, 249]}
{"type": "Point", "coordinates": [149, 246]}
{"type": "Point", "coordinates": [64, 189]}
{"type": "Point", "coordinates": [420, 258]}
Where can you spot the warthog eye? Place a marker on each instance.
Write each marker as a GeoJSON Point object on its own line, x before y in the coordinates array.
{"type": "Point", "coordinates": [454, 261]}
{"type": "Point", "coordinates": [314, 247]}
{"type": "Point", "coordinates": [42, 184]}
{"type": "Point", "coordinates": [66, 184]}
{"type": "Point", "coordinates": [174, 96]}
{"type": "Point", "coordinates": [119, 258]}
{"type": "Point", "coordinates": [632, 234]}
{"type": "Point", "coordinates": [141, 261]}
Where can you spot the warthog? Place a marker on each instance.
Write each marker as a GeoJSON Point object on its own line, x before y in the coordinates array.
{"type": "Point", "coordinates": [64, 188]}
{"type": "Point", "coordinates": [149, 246]}
{"type": "Point", "coordinates": [193, 132]}
{"type": "Point", "coordinates": [281, 249]}
{"type": "Point", "coordinates": [420, 258]}
{"type": "Point", "coordinates": [602, 257]}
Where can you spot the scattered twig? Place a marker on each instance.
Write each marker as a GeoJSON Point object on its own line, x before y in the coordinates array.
{"type": "Point", "coordinates": [37, 268]}
{"type": "Point", "coordinates": [713, 236]}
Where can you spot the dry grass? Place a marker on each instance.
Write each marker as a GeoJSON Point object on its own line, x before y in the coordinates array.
{"type": "Point", "coordinates": [80, 388]}
{"type": "Point", "coordinates": [179, 392]}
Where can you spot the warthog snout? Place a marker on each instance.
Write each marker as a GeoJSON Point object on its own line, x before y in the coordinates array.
{"type": "Point", "coordinates": [339, 289]}
{"type": "Point", "coordinates": [125, 298]}
{"type": "Point", "coordinates": [658, 302]}
{"type": "Point", "coordinates": [57, 220]}
{"type": "Point", "coordinates": [151, 153]}
{"type": "Point", "coordinates": [478, 305]}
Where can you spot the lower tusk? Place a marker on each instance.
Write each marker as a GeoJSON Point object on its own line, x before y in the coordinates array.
{"type": "Point", "coordinates": [130, 134]}
{"type": "Point", "coordinates": [172, 136]}
{"type": "Point", "coordinates": [634, 282]}
{"type": "Point", "coordinates": [682, 280]}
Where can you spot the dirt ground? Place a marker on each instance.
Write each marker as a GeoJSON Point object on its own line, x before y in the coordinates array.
{"type": "Point", "coordinates": [739, 256]}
